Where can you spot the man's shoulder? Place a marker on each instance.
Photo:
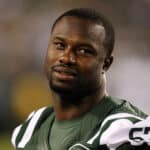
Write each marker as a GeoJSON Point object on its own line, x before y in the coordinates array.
{"type": "Point", "coordinates": [124, 106]}
{"type": "Point", "coordinates": [122, 126]}
{"type": "Point", "coordinates": [24, 131]}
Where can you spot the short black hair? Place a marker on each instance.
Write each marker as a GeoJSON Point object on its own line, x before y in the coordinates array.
{"type": "Point", "coordinates": [96, 17]}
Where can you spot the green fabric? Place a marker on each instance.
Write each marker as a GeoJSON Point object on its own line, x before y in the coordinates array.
{"type": "Point", "coordinates": [67, 133]}
{"type": "Point", "coordinates": [51, 134]}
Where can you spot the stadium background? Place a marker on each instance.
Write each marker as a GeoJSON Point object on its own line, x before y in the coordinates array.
{"type": "Point", "coordinates": [24, 33]}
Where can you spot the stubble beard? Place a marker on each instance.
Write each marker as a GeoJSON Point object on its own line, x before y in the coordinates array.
{"type": "Point", "coordinates": [73, 96]}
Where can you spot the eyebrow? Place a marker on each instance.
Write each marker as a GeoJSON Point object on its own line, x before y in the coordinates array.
{"type": "Point", "coordinates": [82, 43]}
{"type": "Point", "coordinates": [58, 38]}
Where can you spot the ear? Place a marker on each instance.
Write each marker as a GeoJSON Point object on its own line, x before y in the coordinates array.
{"type": "Point", "coordinates": [107, 62]}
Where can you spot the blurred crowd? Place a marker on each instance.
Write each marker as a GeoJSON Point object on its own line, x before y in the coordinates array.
{"type": "Point", "coordinates": [24, 33]}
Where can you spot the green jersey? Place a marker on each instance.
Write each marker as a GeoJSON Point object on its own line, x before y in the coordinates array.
{"type": "Point", "coordinates": [112, 124]}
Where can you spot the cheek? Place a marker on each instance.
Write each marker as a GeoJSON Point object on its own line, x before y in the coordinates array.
{"type": "Point", "coordinates": [52, 56]}
{"type": "Point", "coordinates": [90, 66]}
{"type": "Point", "coordinates": [91, 71]}
{"type": "Point", "coordinates": [50, 59]}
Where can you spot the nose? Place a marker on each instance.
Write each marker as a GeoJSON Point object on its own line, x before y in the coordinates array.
{"type": "Point", "coordinates": [68, 57]}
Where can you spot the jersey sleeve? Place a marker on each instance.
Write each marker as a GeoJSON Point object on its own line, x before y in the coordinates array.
{"type": "Point", "coordinates": [23, 133]}
{"type": "Point", "coordinates": [122, 129]}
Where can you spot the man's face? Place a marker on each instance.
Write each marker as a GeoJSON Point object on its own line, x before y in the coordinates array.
{"type": "Point", "coordinates": [75, 56]}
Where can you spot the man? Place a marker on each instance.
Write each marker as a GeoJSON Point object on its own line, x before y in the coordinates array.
{"type": "Point", "coordinates": [83, 116]}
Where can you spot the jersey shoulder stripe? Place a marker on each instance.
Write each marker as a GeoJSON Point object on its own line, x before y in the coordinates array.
{"type": "Point", "coordinates": [122, 134]}
{"type": "Point", "coordinates": [116, 129]}
{"type": "Point", "coordinates": [125, 130]}
{"type": "Point", "coordinates": [23, 133]}
{"type": "Point", "coordinates": [111, 119]}
{"type": "Point", "coordinates": [78, 146]}
{"type": "Point", "coordinates": [15, 134]}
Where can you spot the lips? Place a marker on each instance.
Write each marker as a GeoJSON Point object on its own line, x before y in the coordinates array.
{"type": "Point", "coordinates": [64, 73]}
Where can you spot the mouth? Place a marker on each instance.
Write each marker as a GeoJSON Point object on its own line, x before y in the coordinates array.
{"type": "Point", "coordinates": [64, 73]}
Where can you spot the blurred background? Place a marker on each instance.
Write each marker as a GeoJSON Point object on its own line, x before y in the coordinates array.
{"type": "Point", "coordinates": [24, 33]}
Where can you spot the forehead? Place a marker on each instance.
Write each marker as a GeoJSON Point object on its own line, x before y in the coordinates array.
{"type": "Point", "coordinates": [80, 28]}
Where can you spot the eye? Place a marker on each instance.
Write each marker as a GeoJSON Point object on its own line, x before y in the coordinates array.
{"type": "Point", "coordinates": [84, 51]}
{"type": "Point", "coordinates": [59, 45]}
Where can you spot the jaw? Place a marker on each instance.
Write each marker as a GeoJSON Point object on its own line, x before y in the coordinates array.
{"type": "Point", "coordinates": [70, 95]}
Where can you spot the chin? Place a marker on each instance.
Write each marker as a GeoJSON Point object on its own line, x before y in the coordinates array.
{"type": "Point", "coordinates": [70, 90]}
{"type": "Point", "coordinates": [61, 88]}
{"type": "Point", "coordinates": [69, 96]}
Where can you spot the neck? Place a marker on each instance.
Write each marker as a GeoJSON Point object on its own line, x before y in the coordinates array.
{"type": "Point", "coordinates": [67, 111]}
